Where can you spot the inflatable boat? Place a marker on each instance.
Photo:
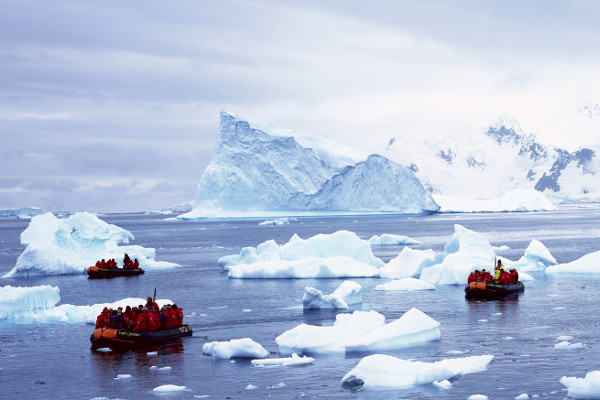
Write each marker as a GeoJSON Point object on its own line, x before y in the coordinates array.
{"type": "Point", "coordinates": [117, 339]}
{"type": "Point", "coordinates": [490, 290]}
{"type": "Point", "coordinates": [97, 272]}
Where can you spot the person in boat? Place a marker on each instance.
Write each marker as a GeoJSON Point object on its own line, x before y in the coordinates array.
{"type": "Point", "coordinates": [136, 264]}
{"type": "Point", "coordinates": [140, 321]}
{"type": "Point", "coordinates": [151, 321]}
{"type": "Point", "coordinates": [178, 315]}
{"type": "Point", "coordinates": [504, 278]}
{"type": "Point", "coordinates": [150, 303]}
{"type": "Point", "coordinates": [162, 316]}
{"type": "Point", "coordinates": [485, 276]}
{"type": "Point", "coordinates": [474, 276]}
{"type": "Point", "coordinates": [102, 319]}
{"type": "Point", "coordinates": [514, 275]}
{"type": "Point", "coordinates": [116, 320]}
{"type": "Point", "coordinates": [499, 270]}
{"type": "Point", "coordinates": [126, 261]}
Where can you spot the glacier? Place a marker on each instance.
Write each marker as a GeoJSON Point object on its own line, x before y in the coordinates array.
{"type": "Point", "coordinates": [22, 213]}
{"type": "Point", "coordinates": [261, 170]}
{"type": "Point", "coordinates": [70, 245]}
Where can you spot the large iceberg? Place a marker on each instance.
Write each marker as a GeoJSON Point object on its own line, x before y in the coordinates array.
{"type": "Point", "coordinates": [361, 331]}
{"type": "Point", "coordinates": [37, 304]}
{"type": "Point", "coordinates": [383, 372]}
{"type": "Point", "coordinates": [69, 246]}
{"type": "Point", "coordinates": [347, 294]}
{"type": "Point", "coordinates": [263, 170]}
{"type": "Point", "coordinates": [340, 254]}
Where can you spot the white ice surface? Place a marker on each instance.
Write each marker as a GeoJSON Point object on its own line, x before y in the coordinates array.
{"type": "Point", "coordinates": [514, 200]}
{"type": "Point", "coordinates": [69, 246]}
{"type": "Point", "coordinates": [588, 264]}
{"type": "Point", "coordinates": [408, 263]}
{"type": "Point", "coordinates": [347, 294]}
{"type": "Point", "coordinates": [361, 330]}
{"type": "Point", "coordinates": [294, 359]}
{"type": "Point", "coordinates": [246, 348]}
{"type": "Point", "coordinates": [340, 254]}
{"type": "Point", "coordinates": [405, 284]}
{"type": "Point", "coordinates": [583, 388]}
{"type": "Point", "coordinates": [391, 239]}
{"type": "Point", "coordinates": [383, 372]}
{"type": "Point", "coordinates": [38, 304]}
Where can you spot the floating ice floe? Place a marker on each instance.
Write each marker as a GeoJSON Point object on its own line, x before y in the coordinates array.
{"type": "Point", "coordinates": [391, 239]}
{"type": "Point", "coordinates": [566, 345]}
{"type": "Point", "coordinates": [405, 284]}
{"type": "Point", "coordinates": [383, 372]}
{"type": "Point", "coordinates": [340, 254]}
{"type": "Point", "coordinates": [536, 258]}
{"type": "Point", "coordinates": [347, 294]}
{"type": "Point", "coordinates": [408, 263]}
{"type": "Point", "coordinates": [38, 304]}
{"type": "Point", "coordinates": [246, 348]}
{"type": "Point", "coordinates": [587, 388]}
{"type": "Point", "coordinates": [69, 246]}
{"type": "Point", "coordinates": [588, 264]}
{"type": "Point", "coordinates": [361, 330]}
{"type": "Point", "coordinates": [294, 359]}
{"type": "Point", "coordinates": [169, 388]}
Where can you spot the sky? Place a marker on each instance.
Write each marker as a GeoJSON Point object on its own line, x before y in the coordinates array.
{"type": "Point", "coordinates": [113, 106]}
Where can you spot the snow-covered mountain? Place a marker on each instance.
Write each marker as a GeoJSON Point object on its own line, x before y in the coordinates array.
{"type": "Point", "coordinates": [495, 160]}
{"type": "Point", "coordinates": [259, 169]}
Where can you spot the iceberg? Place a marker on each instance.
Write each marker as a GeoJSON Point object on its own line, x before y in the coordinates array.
{"type": "Point", "coordinates": [361, 331]}
{"type": "Point", "coordinates": [340, 254]}
{"type": "Point", "coordinates": [583, 388]}
{"type": "Point", "coordinates": [383, 372]}
{"type": "Point", "coordinates": [408, 263]}
{"type": "Point", "coordinates": [588, 264]}
{"type": "Point", "coordinates": [245, 347]}
{"type": "Point", "coordinates": [37, 304]}
{"type": "Point", "coordinates": [260, 170]}
{"type": "Point", "coordinates": [347, 294]}
{"type": "Point", "coordinates": [405, 284]}
{"type": "Point", "coordinates": [69, 246]}
{"type": "Point", "coordinates": [466, 251]}
{"type": "Point", "coordinates": [412, 328]}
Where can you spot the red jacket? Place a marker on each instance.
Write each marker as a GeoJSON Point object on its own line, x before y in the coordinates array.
{"type": "Point", "coordinates": [140, 323]}
{"type": "Point", "coordinates": [102, 321]}
{"type": "Point", "coordinates": [179, 315]}
{"type": "Point", "coordinates": [151, 322]}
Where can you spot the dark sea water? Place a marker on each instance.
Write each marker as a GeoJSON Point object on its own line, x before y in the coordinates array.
{"type": "Point", "coordinates": [54, 361]}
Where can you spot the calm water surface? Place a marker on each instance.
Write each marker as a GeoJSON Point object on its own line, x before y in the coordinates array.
{"type": "Point", "coordinates": [39, 361]}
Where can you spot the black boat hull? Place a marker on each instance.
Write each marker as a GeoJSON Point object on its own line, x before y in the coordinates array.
{"type": "Point", "coordinates": [490, 291]}
{"type": "Point", "coordinates": [99, 273]}
{"type": "Point", "coordinates": [118, 339]}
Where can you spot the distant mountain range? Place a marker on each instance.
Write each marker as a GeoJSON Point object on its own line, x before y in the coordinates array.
{"type": "Point", "coordinates": [489, 162]}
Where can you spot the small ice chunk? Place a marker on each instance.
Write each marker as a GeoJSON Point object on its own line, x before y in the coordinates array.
{"type": "Point", "coordinates": [245, 347]}
{"type": "Point", "coordinates": [280, 362]}
{"type": "Point", "coordinates": [169, 388]}
{"type": "Point", "coordinates": [445, 384]}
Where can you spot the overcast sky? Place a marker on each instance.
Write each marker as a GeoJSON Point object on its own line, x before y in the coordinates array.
{"type": "Point", "coordinates": [111, 106]}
